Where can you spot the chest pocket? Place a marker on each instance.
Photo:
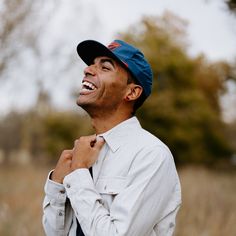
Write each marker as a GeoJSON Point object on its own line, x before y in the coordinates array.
{"type": "Point", "coordinates": [111, 185]}
{"type": "Point", "coordinates": [109, 188]}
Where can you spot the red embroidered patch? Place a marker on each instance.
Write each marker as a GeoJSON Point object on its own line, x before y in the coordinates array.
{"type": "Point", "coordinates": [113, 45]}
{"type": "Point", "coordinates": [125, 64]}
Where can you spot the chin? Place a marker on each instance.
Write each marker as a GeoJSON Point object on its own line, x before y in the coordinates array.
{"type": "Point", "coordinates": [83, 104]}
{"type": "Point", "coordinates": [80, 101]}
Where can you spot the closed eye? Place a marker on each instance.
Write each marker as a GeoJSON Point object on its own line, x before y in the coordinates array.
{"type": "Point", "coordinates": [105, 68]}
{"type": "Point", "coordinates": [107, 64]}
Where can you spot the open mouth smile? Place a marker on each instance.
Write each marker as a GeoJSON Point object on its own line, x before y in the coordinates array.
{"type": "Point", "coordinates": [87, 87]}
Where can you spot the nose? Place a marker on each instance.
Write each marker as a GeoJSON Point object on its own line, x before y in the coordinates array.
{"type": "Point", "coordinates": [89, 70]}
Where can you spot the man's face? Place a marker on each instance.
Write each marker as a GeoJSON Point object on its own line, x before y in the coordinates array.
{"type": "Point", "coordinates": [103, 86]}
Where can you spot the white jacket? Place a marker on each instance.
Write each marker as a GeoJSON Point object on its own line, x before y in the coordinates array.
{"type": "Point", "coordinates": [135, 190]}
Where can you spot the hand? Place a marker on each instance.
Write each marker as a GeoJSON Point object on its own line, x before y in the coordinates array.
{"type": "Point", "coordinates": [63, 166]}
{"type": "Point", "coordinates": [86, 151]}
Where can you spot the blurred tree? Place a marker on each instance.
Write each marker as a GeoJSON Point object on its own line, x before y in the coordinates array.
{"type": "Point", "coordinates": [17, 32]}
{"type": "Point", "coordinates": [11, 133]}
{"type": "Point", "coordinates": [43, 135]}
{"type": "Point", "coordinates": [183, 109]}
{"type": "Point", "coordinates": [43, 132]}
{"type": "Point", "coordinates": [231, 5]}
{"type": "Point", "coordinates": [34, 48]}
{"type": "Point", "coordinates": [43, 59]}
{"type": "Point", "coordinates": [61, 129]}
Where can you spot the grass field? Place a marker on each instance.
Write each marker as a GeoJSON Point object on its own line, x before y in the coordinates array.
{"type": "Point", "coordinates": [209, 202]}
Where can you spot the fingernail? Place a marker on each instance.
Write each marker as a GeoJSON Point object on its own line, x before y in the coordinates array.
{"type": "Point", "coordinates": [100, 138]}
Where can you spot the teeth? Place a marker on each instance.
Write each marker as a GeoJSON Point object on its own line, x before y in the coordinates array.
{"type": "Point", "coordinates": [87, 84]}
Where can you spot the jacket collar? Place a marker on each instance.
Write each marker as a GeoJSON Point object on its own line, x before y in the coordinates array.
{"type": "Point", "coordinates": [116, 136]}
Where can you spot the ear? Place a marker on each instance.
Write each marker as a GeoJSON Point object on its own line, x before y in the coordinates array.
{"type": "Point", "coordinates": [134, 91]}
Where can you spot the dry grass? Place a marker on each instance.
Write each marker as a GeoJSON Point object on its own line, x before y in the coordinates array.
{"type": "Point", "coordinates": [209, 202]}
{"type": "Point", "coordinates": [21, 194]}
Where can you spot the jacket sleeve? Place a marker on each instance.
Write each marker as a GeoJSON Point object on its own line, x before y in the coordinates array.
{"type": "Point", "coordinates": [151, 193]}
{"type": "Point", "coordinates": [57, 211]}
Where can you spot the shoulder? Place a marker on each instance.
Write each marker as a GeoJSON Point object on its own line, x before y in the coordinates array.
{"type": "Point", "coordinates": [146, 140]}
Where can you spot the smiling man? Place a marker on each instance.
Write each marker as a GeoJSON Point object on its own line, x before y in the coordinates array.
{"type": "Point", "coordinates": [122, 180]}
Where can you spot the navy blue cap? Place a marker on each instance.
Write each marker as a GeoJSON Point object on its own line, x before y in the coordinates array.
{"type": "Point", "coordinates": [127, 55]}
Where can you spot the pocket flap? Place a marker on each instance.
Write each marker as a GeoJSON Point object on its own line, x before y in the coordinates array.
{"type": "Point", "coordinates": [110, 185]}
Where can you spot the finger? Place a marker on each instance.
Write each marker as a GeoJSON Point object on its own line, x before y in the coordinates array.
{"type": "Point", "coordinates": [100, 142]}
{"type": "Point", "coordinates": [67, 153]}
{"type": "Point", "coordinates": [85, 139]}
{"type": "Point", "coordinates": [92, 138]}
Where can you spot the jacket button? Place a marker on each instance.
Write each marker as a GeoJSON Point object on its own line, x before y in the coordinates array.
{"type": "Point", "coordinates": [60, 213]}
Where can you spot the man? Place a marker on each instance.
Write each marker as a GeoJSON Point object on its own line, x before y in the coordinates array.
{"type": "Point", "coordinates": [133, 188]}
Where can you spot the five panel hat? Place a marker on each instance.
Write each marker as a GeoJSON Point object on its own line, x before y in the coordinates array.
{"type": "Point", "coordinates": [125, 54]}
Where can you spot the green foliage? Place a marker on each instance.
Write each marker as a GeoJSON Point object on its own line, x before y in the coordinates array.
{"type": "Point", "coordinates": [11, 133]}
{"type": "Point", "coordinates": [184, 109]}
{"type": "Point", "coordinates": [61, 130]}
{"type": "Point", "coordinates": [43, 136]}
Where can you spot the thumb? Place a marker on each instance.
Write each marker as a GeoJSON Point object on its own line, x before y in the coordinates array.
{"type": "Point", "coordinates": [100, 142]}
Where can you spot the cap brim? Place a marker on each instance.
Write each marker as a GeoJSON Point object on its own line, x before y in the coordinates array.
{"type": "Point", "coordinates": [88, 50]}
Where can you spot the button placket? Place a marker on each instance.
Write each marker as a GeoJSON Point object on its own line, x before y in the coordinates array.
{"type": "Point", "coordinates": [60, 219]}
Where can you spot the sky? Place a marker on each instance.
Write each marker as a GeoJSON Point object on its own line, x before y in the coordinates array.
{"type": "Point", "coordinates": [211, 30]}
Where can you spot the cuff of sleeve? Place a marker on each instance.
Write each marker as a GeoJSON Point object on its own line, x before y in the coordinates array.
{"type": "Point", "coordinates": [77, 180]}
{"type": "Point", "coordinates": [55, 191]}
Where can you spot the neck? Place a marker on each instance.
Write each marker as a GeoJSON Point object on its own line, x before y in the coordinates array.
{"type": "Point", "coordinates": [103, 123]}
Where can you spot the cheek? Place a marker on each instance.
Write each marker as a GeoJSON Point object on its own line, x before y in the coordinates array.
{"type": "Point", "coordinates": [114, 87]}
{"type": "Point", "coordinates": [117, 89]}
